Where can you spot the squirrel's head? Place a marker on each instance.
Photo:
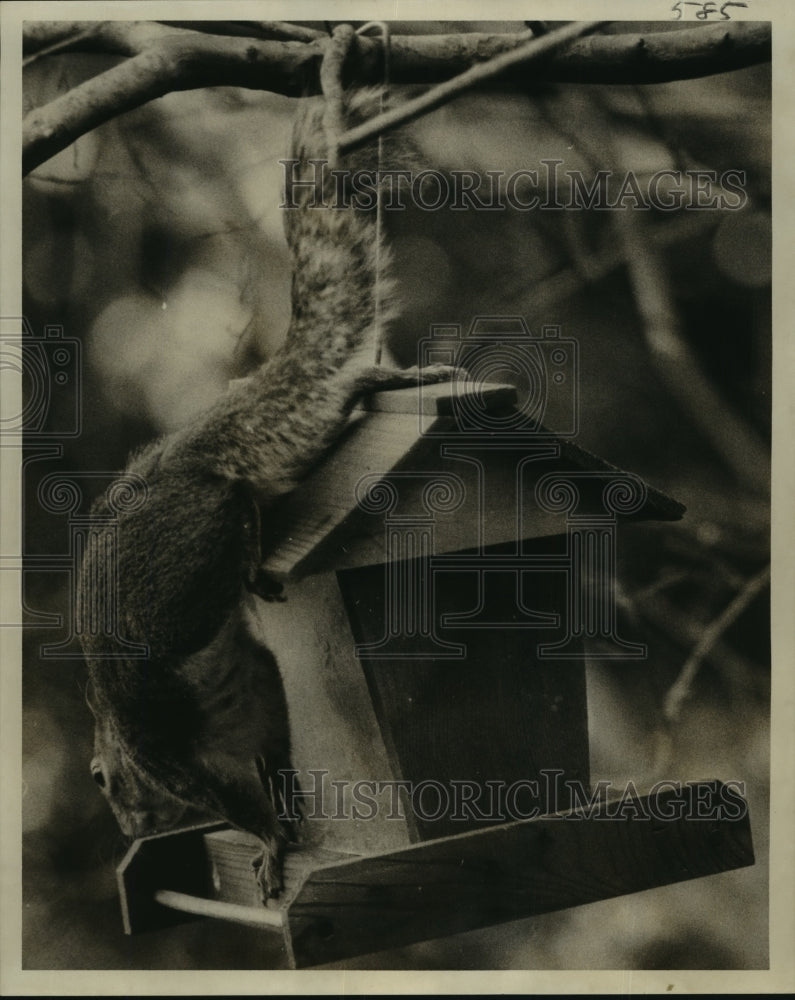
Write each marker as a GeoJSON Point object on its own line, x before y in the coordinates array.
{"type": "Point", "coordinates": [139, 805]}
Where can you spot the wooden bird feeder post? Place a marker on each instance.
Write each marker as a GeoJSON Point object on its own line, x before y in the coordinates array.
{"type": "Point", "coordinates": [444, 567]}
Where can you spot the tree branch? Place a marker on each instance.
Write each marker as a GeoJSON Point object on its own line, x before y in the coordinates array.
{"type": "Point", "coordinates": [280, 30]}
{"type": "Point", "coordinates": [675, 361]}
{"type": "Point", "coordinates": [173, 61]}
{"type": "Point", "coordinates": [681, 689]}
{"type": "Point", "coordinates": [530, 51]}
{"type": "Point", "coordinates": [165, 58]}
{"type": "Point", "coordinates": [69, 41]}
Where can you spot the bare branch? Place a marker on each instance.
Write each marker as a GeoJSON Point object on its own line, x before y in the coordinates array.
{"type": "Point", "coordinates": [534, 49]}
{"type": "Point", "coordinates": [69, 41]}
{"type": "Point", "coordinates": [680, 690]}
{"type": "Point", "coordinates": [167, 58]}
{"type": "Point", "coordinates": [664, 56]}
{"type": "Point", "coordinates": [174, 62]}
{"type": "Point", "coordinates": [687, 631]}
{"type": "Point", "coordinates": [570, 281]}
{"type": "Point", "coordinates": [37, 35]}
{"type": "Point", "coordinates": [677, 364]}
{"type": "Point", "coordinates": [127, 38]}
{"type": "Point", "coordinates": [635, 58]}
{"type": "Point", "coordinates": [280, 30]}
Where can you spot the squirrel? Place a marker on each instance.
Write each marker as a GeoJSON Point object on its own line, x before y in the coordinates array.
{"type": "Point", "coordinates": [202, 721]}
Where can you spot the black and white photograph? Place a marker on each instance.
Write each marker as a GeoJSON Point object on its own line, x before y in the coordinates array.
{"type": "Point", "coordinates": [396, 442]}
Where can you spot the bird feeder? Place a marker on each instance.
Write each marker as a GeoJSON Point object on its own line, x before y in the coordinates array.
{"type": "Point", "coordinates": [444, 568]}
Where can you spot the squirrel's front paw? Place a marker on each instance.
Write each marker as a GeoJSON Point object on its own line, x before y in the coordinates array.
{"type": "Point", "coordinates": [268, 868]}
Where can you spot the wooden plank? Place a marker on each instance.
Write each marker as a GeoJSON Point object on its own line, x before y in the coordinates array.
{"type": "Point", "coordinates": [319, 527]}
{"type": "Point", "coordinates": [324, 530]}
{"type": "Point", "coordinates": [334, 732]}
{"type": "Point", "coordinates": [374, 444]}
{"type": "Point", "coordinates": [337, 906]}
{"type": "Point", "coordinates": [508, 872]}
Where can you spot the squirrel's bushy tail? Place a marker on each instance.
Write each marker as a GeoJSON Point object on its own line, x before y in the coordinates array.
{"type": "Point", "coordinates": [341, 266]}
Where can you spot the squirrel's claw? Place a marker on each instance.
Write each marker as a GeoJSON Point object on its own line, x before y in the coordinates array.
{"type": "Point", "coordinates": [268, 868]}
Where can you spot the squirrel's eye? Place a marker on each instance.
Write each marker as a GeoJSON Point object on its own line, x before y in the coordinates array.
{"type": "Point", "coordinates": [98, 776]}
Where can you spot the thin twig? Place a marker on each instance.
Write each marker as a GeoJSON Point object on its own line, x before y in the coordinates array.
{"type": "Point", "coordinates": [681, 689]}
{"type": "Point", "coordinates": [279, 30]}
{"type": "Point", "coordinates": [536, 48]}
{"type": "Point", "coordinates": [738, 444]}
{"type": "Point", "coordinates": [676, 362]}
{"type": "Point", "coordinates": [108, 37]}
{"type": "Point", "coordinates": [287, 31]}
{"type": "Point", "coordinates": [686, 631]}
{"type": "Point", "coordinates": [567, 282]}
{"type": "Point", "coordinates": [62, 45]}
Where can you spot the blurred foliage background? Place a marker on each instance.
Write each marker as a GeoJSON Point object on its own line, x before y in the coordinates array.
{"type": "Point", "coordinates": [157, 241]}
